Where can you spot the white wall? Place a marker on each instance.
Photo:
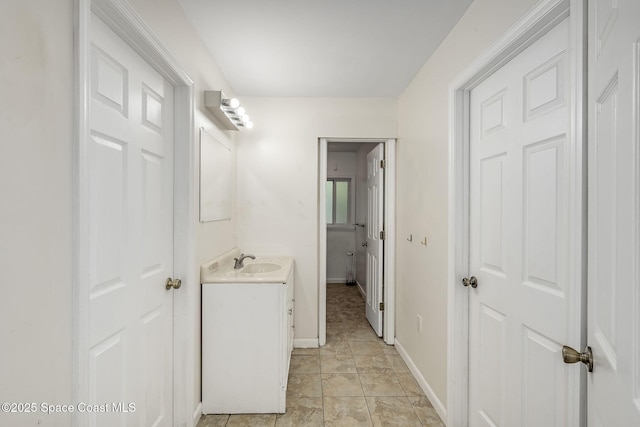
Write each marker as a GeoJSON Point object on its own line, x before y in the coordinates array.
{"type": "Point", "coordinates": [36, 145]}
{"type": "Point", "coordinates": [422, 185]}
{"type": "Point", "coordinates": [278, 180]}
{"type": "Point", "coordinates": [340, 240]}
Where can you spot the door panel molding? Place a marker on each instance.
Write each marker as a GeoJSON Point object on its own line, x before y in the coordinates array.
{"type": "Point", "coordinates": [124, 21]}
{"type": "Point", "coordinates": [539, 20]}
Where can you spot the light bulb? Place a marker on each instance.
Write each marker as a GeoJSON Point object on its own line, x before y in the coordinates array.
{"type": "Point", "coordinates": [234, 103]}
{"type": "Point", "coordinates": [245, 118]}
{"type": "Point", "coordinates": [240, 110]}
{"type": "Point", "coordinates": [248, 125]}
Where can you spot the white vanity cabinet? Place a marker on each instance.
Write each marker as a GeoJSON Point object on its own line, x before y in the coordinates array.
{"type": "Point", "coordinates": [247, 339]}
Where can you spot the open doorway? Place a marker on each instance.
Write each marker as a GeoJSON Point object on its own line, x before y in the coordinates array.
{"type": "Point", "coordinates": [356, 227]}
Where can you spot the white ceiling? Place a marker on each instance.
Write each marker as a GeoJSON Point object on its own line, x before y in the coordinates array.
{"type": "Point", "coordinates": [322, 48]}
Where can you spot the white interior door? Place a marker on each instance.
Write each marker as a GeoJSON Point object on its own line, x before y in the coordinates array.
{"type": "Point", "coordinates": [614, 167]}
{"type": "Point", "coordinates": [375, 246]}
{"type": "Point", "coordinates": [130, 145]}
{"type": "Point", "coordinates": [524, 308]}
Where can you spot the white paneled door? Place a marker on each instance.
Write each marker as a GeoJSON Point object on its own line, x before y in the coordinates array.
{"type": "Point", "coordinates": [522, 304]}
{"type": "Point", "coordinates": [614, 168]}
{"type": "Point", "coordinates": [130, 145]}
{"type": "Point", "coordinates": [375, 245]}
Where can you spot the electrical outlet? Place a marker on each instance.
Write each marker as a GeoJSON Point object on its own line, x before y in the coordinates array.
{"type": "Point", "coordinates": [419, 324]}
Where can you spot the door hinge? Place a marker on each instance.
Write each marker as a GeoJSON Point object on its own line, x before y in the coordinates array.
{"type": "Point", "coordinates": [382, 235]}
{"type": "Point", "coordinates": [382, 164]}
{"type": "Point", "coordinates": [381, 306]}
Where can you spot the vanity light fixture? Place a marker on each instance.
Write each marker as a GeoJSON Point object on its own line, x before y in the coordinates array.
{"type": "Point", "coordinates": [227, 110]}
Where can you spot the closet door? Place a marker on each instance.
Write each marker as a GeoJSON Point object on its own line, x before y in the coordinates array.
{"type": "Point", "coordinates": [614, 169]}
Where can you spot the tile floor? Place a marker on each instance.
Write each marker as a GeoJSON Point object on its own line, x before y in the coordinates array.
{"type": "Point", "coordinates": [354, 380]}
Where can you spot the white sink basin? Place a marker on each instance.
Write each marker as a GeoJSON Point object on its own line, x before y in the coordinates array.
{"type": "Point", "coordinates": [264, 269]}
{"type": "Point", "coordinates": [261, 267]}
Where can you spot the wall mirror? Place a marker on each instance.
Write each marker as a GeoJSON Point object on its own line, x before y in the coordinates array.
{"type": "Point", "coordinates": [216, 184]}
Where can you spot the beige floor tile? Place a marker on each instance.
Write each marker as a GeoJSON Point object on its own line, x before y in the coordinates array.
{"type": "Point", "coordinates": [335, 347]}
{"type": "Point", "coordinates": [335, 315]}
{"type": "Point", "coordinates": [397, 363]}
{"type": "Point", "coordinates": [388, 349]}
{"type": "Point", "coordinates": [365, 348]}
{"type": "Point", "coordinates": [252, 420]}
{"type": "Point", "coordinates": [376, 364]}
{"type": "Point", "coordinates": [381, 385]}
{"type": "Point", "coordinates": [337, 326]}
{"type": "Point", "coordinates": [302, 412]}
{"type": "Point", "coordinates": [337, 364]}
{"type": "Point", "coordinates": [409, 384]}
{"type": "Point", "coordinates": [335, 385]}
{"type": "Point", "coordinates": [350, 324]}
{"type": "Point", "coordinates": [392, 411]}
{"type": "Point", "coordinates": [304, 365]}
{"type": "Point", "coordinates": [346, 411]}
{"type": "Point", "coordinates": [336, 335]}
{"type": "Point", "coordinates": [354, 314]}
{"type": "Point", "coordinates": [425, 411]}
{"type": "Point", "coordinates": [362, 333]}
{"type": "Point", "coordinates": [304, 385]}
{"type": "Point", "coordinates": [305, 352]}
{"type": "Point", "coordinates": [213, 421]}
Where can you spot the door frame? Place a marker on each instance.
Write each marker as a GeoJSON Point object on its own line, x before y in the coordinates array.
{"type": "Point", "coordinates": [120, 16]}
{"type": "Point", "coordinates": [534, 24]}
{"type": "Point", "coordinates": [388, 321]}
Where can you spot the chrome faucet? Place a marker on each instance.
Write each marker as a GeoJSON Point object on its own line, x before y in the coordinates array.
{"type": "Point", "coordinates": [240, 261]}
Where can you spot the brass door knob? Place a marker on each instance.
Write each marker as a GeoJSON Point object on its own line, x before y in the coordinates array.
{"type": "Point", "coordinates": [470, 281]}
{"type": "Point", "coordinates": [173, 283]}
{"type": "Point", "coordinates": [569, 355]}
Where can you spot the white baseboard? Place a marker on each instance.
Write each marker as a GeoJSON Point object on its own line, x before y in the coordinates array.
{"type": "Point", "coordinates": [306, 343]}
{"type": "Point", "coordinates": [197, 414]}
{"type": "Point", "coordinates": [361, 289]}
{"type": "Point", "coordinates": [337, 280]}
{"type": "Point", "coordinates": [424, 385]}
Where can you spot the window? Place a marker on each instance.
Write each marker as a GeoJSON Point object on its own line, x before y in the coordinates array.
{"type": "Point", "coordinates": [338, 194]}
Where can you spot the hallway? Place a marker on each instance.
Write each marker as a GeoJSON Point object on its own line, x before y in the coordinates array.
{"type": "Point", "coordinates": [354, 380]}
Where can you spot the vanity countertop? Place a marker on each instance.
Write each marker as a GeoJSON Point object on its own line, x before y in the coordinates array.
{"type": "Point", "coordinates": [264, 269]}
